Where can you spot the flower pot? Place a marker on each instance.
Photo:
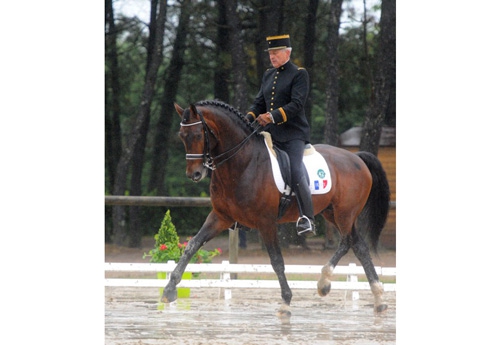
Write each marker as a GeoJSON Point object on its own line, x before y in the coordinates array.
{"type": "Point", "coordinates": [181, 292]}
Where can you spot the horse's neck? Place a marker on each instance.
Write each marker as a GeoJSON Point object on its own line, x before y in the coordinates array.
{"type": "Point", "coordinates": [231, 143]}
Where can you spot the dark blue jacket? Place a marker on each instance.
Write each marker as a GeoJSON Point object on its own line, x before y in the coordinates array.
{"type": "Point", "coordinates": [283, 93]}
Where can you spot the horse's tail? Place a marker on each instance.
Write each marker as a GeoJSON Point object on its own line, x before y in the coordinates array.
{"type": "Point", "coordinates": [374, 215]}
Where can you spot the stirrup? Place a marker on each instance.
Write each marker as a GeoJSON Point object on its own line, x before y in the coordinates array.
{"type": "Point", "coordinates": [308, 230]}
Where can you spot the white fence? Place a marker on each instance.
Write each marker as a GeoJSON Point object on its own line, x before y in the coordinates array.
{"type": "Point", "coordinates": [225, 282]}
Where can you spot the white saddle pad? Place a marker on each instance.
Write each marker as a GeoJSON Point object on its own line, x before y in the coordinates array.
{"type": "Point", "coordinates": [319, 173]}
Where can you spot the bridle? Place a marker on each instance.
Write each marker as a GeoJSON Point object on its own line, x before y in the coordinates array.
{"type": "Point", "coordinates": [209, 161]}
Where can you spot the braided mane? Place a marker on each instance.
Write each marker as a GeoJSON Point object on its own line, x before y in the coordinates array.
{"type": "Point", "coordinates": [220, 104]}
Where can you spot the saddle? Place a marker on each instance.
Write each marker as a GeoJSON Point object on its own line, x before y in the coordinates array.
{"type": "Point", "coordinates": [284, 168]}
{"type": "Point", "coordinates": [284, 160]}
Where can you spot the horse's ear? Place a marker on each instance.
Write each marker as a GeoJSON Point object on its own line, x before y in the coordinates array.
{"type": "Point", "coordinates": [194, 112]}
{"type": "Point", "coordinates": [179, 110]}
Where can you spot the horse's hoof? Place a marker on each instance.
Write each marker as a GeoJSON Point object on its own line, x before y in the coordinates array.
{"type": "Point", "coordinates": [284, 313]}
{"type": "Point", "coordinates": [325, 290]}
{"type": "Point", "coordinates": [169, 296]}
{"type": "Point", "coordinates": [324, 287]}
{"type": "Point", "coordinates": [381, 308]}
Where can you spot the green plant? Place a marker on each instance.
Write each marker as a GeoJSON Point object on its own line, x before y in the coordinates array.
{"type": "Point", "coordinates": [168, 246]}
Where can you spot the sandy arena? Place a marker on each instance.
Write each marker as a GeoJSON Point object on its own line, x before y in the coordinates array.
{"type": "Point", "coordinates": [135, 315]}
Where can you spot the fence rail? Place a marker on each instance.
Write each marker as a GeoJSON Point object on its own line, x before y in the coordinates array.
{"type": "Point", "coordinates": [171, 201]}
{"type": "Point", "coordinates": [157, 201]}
{"type": "Point", "coordinates": [224, 269]}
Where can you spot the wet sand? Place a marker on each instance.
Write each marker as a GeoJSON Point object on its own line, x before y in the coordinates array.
{"type": "Point", "coordinates": [135, 316]}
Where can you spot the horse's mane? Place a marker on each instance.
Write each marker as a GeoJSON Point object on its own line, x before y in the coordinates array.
{"type": "Point", "coordinates": [220, 104]}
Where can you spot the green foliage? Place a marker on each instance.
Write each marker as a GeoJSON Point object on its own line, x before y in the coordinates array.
{"type": "Point", "coordinates": [168, 246]}
{"type": "Point", "coordinates": [166, 242]}
{"type": "Point", "coordinates": [167, 232]}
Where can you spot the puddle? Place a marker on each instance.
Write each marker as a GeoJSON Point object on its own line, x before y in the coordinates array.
{"type": "Point", "coordinates": [135, 316]}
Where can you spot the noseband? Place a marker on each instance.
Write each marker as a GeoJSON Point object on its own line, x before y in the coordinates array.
{"type": "Point", "coordinates": [208, 160]}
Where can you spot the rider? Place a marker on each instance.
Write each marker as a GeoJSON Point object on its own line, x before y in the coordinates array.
{"type": "Point", "coordinates": [279, 106]}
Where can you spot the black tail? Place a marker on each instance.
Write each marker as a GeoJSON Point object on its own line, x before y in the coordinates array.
{"type": "Point", "coordinates": [374, 214]}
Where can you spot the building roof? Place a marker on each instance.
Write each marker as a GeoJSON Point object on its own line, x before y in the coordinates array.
{"type": "Point", "coordinates": [352, 137]}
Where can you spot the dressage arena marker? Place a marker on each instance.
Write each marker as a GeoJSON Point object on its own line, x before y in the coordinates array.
{"type": "Point", "coordinates": [225, 283]}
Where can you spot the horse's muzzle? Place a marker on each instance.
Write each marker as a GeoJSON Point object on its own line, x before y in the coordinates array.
{"type": "Point", "coordinates": [197, 176]}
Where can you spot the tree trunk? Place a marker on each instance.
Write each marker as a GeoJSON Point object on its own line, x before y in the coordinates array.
{"type": "Point", "coordinates": [333, 89]}
{"type": "Point", "coordinates": [223, 56]}
{"type": "Point", "coordinates": [309, 44]}
{"type": "Point", "coordinates": [119, 187]}
{"type": "Point", "coordinates": [113, 90]}
{"type": "Point", "coordinates": [385, 80]}
{"type": "Point", "coordinates": [238, 57]}
{"type": "Point", "coordinates": [163, 127]}
{"type": "Point", "coordinates": [135, 230]}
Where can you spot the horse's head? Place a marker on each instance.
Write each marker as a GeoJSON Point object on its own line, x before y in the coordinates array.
{"type": "Point", "coordinates": [195, 136]}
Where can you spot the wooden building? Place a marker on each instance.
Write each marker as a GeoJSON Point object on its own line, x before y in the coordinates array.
{"type": "Point", "coordinates": [350, 140]}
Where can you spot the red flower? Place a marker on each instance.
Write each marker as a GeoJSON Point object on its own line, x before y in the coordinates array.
{"type": "Point", "coordinates": [163, 247]}
{"type": "Point", "coordinates": [219, 250]}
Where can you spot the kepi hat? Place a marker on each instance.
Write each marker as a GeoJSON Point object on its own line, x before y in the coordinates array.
{"type": "Point", "coordinates": [278, 42]}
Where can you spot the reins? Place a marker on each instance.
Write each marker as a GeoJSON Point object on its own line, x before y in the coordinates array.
{"type": "Point", "coordinates": [208, 160]}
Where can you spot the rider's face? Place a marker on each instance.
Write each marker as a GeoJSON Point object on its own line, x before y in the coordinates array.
{"type": "Point", "coordinates": [279, 57]}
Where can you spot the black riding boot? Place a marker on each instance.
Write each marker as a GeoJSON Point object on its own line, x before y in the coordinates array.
{"type": "Point", "coordinates": [305, 223]}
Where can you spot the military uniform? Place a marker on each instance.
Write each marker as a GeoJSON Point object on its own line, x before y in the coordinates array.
{"type": "Point", "coordinates": [283, 94]}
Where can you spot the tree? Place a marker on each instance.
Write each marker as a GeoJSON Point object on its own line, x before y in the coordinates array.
{"type": "Point", "coordinates": [134, 136]}
{"type": "Point", "coordinates": [331, 136]}
{"type": "Point", "coordinates": [135, 231]}
{"type": "Point", "coordinates": [384, 89]}
{"type": "Point", "coordinates": [113, 94]}
{"type": "Point", "coordinates": [222, 55]}
{"type": "Point", "coordinates": [238, 56]}
{"type": "Point", "coordinates": [171, 84]}
{"type": "Point", "coordinates": [309, 45]}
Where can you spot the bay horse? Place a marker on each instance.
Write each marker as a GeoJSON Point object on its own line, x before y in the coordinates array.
{"type": "Point", "coordinates": [217, 137]}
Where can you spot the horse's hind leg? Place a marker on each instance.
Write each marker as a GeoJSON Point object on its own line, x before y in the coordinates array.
{"type": "Point", "coordinates": [324, 282]}
{"type": "Point", "coordinates": [362, 252]}
{"type": "Point", "coordinates": [272, 245]}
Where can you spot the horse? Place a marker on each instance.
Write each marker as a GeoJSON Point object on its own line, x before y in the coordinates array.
{"type": "Point", "coordinates": [218, 140]}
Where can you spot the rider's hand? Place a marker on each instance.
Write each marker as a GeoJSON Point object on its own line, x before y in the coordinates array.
{"type": "Point", "coordinates": [264, 119]}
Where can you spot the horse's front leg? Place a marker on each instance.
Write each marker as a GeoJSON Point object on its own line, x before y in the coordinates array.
{"type": "Point", "coordinates": [208, 231]}
{"type": "Point", "coordinates": [270, 238]}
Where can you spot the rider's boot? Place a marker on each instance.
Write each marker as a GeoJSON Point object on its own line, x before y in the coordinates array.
{"type": "Point", "coordinates": [305, 223]}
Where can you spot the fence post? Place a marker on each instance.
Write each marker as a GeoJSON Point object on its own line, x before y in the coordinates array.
{"type": "Point", "coordinates": [353, 278]}
{"type": "Point", "coordinates": [233, 249]}
{"type": "Point", "coordinates": [225, 277]}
